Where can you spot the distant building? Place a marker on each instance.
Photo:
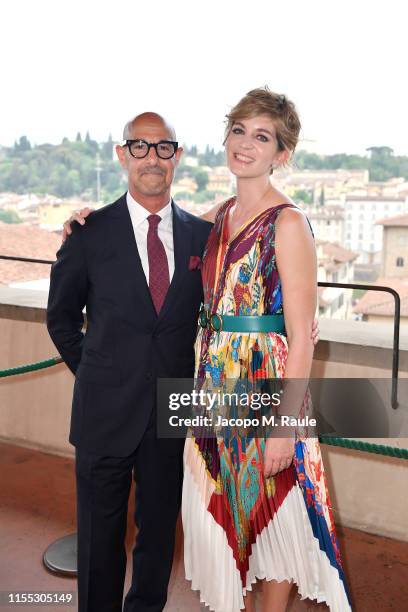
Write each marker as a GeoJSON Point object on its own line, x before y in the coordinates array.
{"type": "Point", "coordinates": [361, 232]}
{"type": "Point", "coordinates": [335, 265]}
{"type": "Point", "coordinates": [378, 307]}
{"type": "Point", "coordinates": [184, 185]}
{"type": "Point", "coordinates": [51, 215]}
{"type": "Point", "coordinates": [395, 246]}
{"type": "Point", "coordinates": [395, 187]}
{"type": "Point", "coordinates": [332, 183]}
{"type": "Point", "coordinates": [327, 222]}
{"type": "Point", "coordinates": [220, 180]}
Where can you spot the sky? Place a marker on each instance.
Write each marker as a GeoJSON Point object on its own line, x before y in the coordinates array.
{"type": "Point", "coordinates": [69, 66]}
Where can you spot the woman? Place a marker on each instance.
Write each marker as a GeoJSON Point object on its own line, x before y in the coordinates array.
{"type": "Point", "coordinates": [255, 508]}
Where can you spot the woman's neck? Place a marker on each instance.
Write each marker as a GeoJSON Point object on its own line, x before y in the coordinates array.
{"type": "Point", "coordinates": [251, 191]}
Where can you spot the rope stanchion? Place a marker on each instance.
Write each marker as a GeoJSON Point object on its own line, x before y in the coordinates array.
{"type": "Point", "coordinates": [31, 367]}
{"type": "Point", "coordinates": [369, 447]}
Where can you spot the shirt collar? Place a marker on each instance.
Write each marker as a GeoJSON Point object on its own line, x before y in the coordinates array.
{"type": "Point", "coordinates": [139, 214]}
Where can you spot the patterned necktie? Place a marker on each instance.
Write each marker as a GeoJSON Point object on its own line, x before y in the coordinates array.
{"type": "Point", "coordinates": [159, 279]}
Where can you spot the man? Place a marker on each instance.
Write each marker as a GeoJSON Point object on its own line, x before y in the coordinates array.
{"type": "Point", "coordinates": [130, 266]}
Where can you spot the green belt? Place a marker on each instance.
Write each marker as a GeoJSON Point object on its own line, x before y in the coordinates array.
{"type": "Point", "coordinates": [242, 323]}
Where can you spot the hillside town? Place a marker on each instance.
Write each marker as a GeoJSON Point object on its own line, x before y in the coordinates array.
{"type": "Point", "coordinates": [360, 228]}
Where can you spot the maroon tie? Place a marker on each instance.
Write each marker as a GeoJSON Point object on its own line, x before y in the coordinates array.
{"type": "Point", "coordinates": [159, 279]}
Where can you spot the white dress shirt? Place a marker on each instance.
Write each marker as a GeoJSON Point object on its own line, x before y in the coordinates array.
{"type": "Point", "coordinates": [138, 215]}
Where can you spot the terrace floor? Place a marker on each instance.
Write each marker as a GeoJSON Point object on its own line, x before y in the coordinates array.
{"type": "Point", "coordinates": [37, 506]}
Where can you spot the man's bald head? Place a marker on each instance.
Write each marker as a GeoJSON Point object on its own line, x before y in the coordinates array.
{"type": "Point", "coordinates": [147, 120]}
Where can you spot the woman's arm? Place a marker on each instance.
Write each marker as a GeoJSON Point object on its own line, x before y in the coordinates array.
{"type": "Point", "coordinates": [212, 213]}
{"type": "Point", "coordinates": [297, 265]}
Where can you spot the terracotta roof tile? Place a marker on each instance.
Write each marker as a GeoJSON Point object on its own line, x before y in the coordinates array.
{"type": "Point", "coordinates": [381, 303]}
{"type": "Point", "coordinates": [25, 240]}
{"type": "Point", "coordinates": [397, 220]}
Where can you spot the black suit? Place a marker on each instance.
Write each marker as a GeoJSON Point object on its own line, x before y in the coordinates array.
{"type": "Point", "coordinates": [126, 347]}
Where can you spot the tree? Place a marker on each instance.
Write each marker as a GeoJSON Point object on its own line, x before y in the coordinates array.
{"type": "Point", "coordinates": [201, 197]}
{"type": "Point", "coordinates": [22, 145]}
{"type": "Point", "coordinates": [91, 144]}
{"type": "Point", "coordinates": [383, 152]}
{"type": "Point", "coordinates": [303, 195]}
{"type": "Point", "coordinates": [322, 196]}
{"type": "Point", "coordinates": [107, 148]}
{"type": "Point", "coordinates": [201, 178]}
{"type": "Point", "coordinates": [78, 137]}
{"type": "Point", "coordinates": [9, 216]}
{"type": "Point", "coordinates": [382, 163]}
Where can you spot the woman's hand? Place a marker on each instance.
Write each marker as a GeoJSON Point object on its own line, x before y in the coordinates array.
{"type": "Point", "coordinates": [279, 454]}
{"type": "Point", "coordinates": [79, 216]}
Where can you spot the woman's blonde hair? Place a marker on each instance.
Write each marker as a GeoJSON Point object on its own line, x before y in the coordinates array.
{"type": "Point", "coordinates": [263, 101]}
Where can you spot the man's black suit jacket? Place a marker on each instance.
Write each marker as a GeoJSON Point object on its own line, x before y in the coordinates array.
{"type": "Point", "coordinates": [127, 346]}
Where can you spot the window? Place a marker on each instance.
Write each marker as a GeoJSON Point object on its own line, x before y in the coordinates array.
{"type": "Point", "coordinates": [400, 262]}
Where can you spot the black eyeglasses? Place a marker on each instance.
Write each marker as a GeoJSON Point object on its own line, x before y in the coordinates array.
{"type": "Point", "coordinates": [165, 149]}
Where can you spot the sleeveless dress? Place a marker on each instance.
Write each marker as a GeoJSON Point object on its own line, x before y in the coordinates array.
{"type": "Point", "coordinates": [238, 525]}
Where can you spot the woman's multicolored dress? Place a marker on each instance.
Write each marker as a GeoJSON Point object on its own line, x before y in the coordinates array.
{"type": "Point", "coordinates": [239, 526]}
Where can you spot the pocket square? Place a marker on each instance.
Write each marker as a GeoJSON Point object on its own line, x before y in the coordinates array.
{"type": "Point", "coordinates": [194, 263]}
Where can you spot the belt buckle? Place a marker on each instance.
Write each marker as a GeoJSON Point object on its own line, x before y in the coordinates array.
{"type": "Point", "coordinates": [203, 317]}
{"type": "Point", "coordinates": [216, 322]}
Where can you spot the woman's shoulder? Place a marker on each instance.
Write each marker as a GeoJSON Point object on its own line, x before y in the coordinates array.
{"type": "Point", "coordinates": [291, 216]}
{"type": "Point", "coordinates": [218, 210]}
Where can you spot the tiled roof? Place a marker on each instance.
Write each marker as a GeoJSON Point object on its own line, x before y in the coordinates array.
{"type": "Point", "coordinates": [397, 220]}
{"type": "Point", "coordinates": [381, 303]}
{"type": "Point", "coordinates": [24, 240]}
{"type": "Point", "coordinates": [374, 198]}
{"type": "Point", "coordinates": [335, 252]}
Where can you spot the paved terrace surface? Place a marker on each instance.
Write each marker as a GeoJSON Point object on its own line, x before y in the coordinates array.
{"type": "Point", "coordinates": [37, 506]}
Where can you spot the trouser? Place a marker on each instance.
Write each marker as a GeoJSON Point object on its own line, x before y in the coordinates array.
{"type": "Point", "coordinates": [103, 486]}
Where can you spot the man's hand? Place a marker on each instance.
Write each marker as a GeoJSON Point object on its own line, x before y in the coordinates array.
{"type": "Point", "coordinates": [79, 216]}
{"type": "Point", "coordinates": [315, 332]}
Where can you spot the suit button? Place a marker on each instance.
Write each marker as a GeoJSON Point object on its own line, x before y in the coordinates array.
{"type": "Point", "coordinates": [148, 376]}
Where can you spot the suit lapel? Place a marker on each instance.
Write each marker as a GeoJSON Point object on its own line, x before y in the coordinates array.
{"type": "Point", "coordinates": [182, 237]}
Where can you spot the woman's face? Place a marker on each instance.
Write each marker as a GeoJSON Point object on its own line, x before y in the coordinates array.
{"type": "Point", "coordinates": [252, 147]}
